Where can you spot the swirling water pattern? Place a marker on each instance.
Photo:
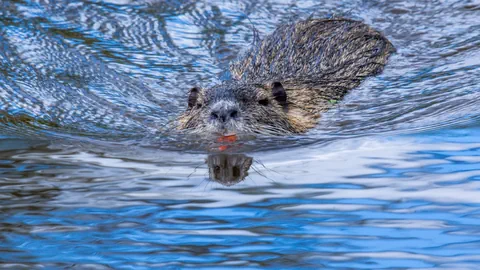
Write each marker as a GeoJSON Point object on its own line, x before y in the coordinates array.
{"type": "Point", "coordinates": [92, 176]}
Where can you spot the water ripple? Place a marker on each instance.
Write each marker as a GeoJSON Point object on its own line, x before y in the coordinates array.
{"type": "Point", "coordinates": [92, 175]}
{"type": "Point", "coordinates": [97, 67]}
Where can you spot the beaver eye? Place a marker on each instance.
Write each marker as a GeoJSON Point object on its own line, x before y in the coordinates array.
{"type": "Point", "coordinates": [263, 102]}
{"type": "Point", "coordinates": [199, 105]}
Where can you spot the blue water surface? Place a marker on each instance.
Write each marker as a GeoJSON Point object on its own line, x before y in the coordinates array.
{"type": "Point", "coordinates": [91, 176]}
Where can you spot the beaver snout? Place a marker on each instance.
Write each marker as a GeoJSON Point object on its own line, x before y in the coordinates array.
{"type": "Point", "coordinates": [224, 111]}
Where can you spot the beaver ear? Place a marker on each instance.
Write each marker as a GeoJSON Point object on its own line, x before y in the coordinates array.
{"type": "Point", "coordinates": [193, 97]}
{"type": "Point", "coordinates": [279, 94]}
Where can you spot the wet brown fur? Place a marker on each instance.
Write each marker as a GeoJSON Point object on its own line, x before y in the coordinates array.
{"type": "Point", "coordinates": [317, 61]}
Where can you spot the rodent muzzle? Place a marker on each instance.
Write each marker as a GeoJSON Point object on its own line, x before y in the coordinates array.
{"type": "Point", "coordinates": [224, 111]}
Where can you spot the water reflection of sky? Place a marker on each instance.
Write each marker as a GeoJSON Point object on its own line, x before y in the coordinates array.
{"type": "Point", "coordinates": [401, 202]}
{"type": "Point", "coordinates": [389, 179]}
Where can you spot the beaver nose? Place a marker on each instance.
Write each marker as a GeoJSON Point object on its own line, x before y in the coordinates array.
{"type": "Point", "coordinates": [226, 115]}
{"type": "Point", "coordinates": [224, 112]}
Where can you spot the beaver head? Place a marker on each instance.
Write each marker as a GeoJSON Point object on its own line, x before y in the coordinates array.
{"type": "Point", "coordinates": [238, 107]}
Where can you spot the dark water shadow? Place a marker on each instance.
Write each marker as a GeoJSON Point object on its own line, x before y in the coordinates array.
{"type": "Point", "coordinates": [228, 169]}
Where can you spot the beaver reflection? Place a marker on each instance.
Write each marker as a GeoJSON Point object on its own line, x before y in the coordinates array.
{"type": "Point", "coordinates": [228, 169]}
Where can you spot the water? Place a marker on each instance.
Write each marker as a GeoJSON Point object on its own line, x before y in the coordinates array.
{"type": "Point", "coordinates": [92, 176]}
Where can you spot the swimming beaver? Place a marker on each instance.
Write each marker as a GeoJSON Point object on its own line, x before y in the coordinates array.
{"type": "Point", "coordinates": [282, 84]}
